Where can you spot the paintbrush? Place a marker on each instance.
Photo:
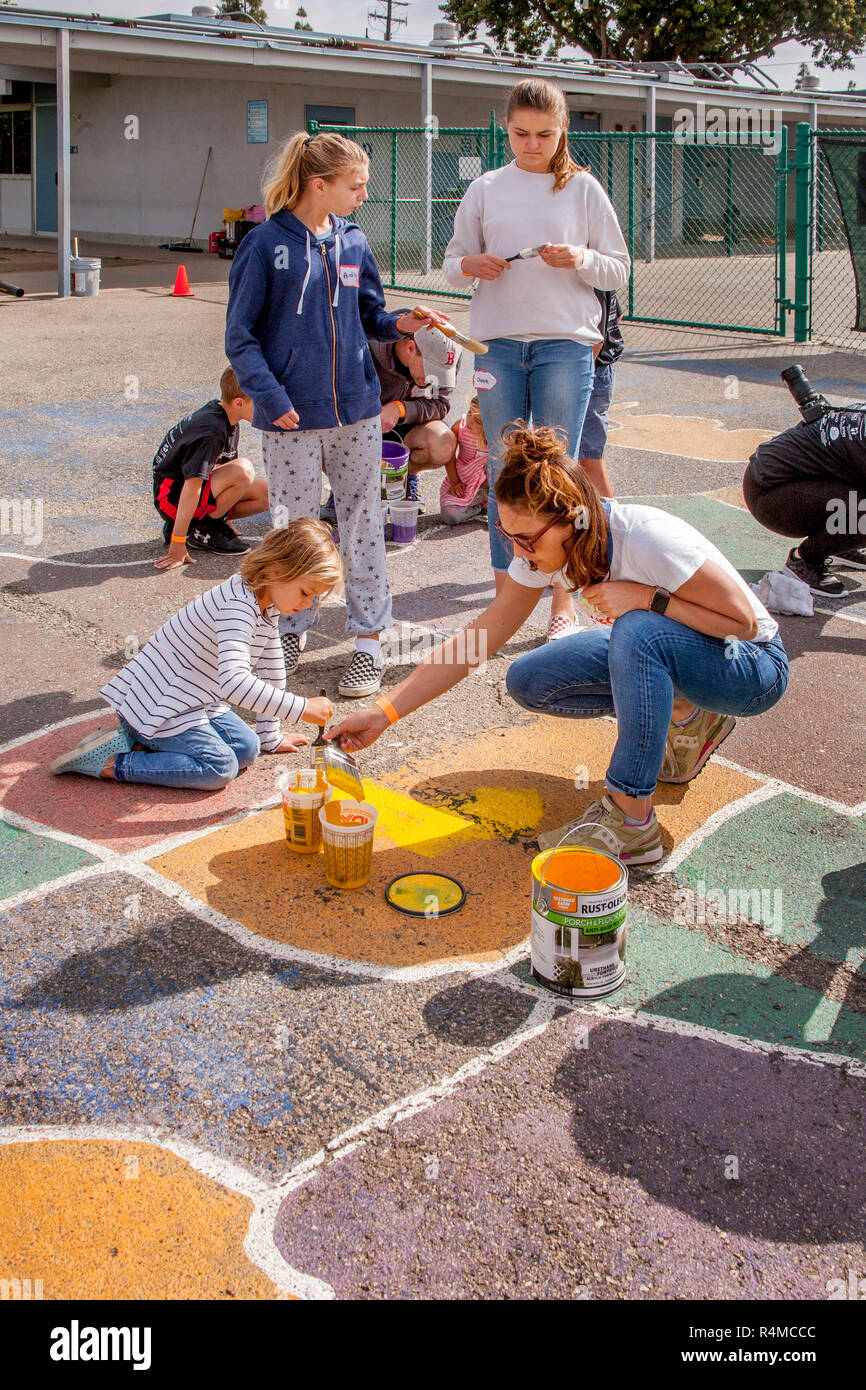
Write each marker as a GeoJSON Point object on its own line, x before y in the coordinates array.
{"type": "Point", "coordinates": [463, 339]}
{"type": "Point", "coordinates": [528, 253]}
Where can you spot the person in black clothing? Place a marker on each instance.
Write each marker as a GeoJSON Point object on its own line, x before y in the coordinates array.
{"type": "Point", "coordinates": [811, 482]}
{"type": "Point", "coordinates": [199, 480]}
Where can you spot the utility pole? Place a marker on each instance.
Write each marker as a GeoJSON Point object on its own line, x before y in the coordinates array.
{"type": "Point", "coordinates": [391, 20]}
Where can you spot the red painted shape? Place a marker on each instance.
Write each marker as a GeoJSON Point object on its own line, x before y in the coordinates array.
{"type": "Point", "coordinates": [119, 816]}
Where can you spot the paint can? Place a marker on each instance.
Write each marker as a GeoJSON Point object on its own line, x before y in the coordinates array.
{"type": "Point", "coordinates": [395, 466]}
{"type": "Point", "coordinates": [304, 792]}
{"type": "Point", "coordinates": [579, 897]}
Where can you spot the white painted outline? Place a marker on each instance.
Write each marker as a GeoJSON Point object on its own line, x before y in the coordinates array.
{"type": "Point", "coordinates": [258, 1246]}
{"type": "Point", "coordinates": [73, 564]}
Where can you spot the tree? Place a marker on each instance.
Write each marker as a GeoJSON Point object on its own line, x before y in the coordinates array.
{"type": "Point", "coordinates": [721, 31]}
{"type": "Point", "coordinates": [241, 9]}
{"type": "Point", "coordinates": [301, 21]}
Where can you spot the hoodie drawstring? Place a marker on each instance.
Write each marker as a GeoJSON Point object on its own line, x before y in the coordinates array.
{"type": "Point", "coordinates": [306, 277]}
{"type": "Point", "coordinates": [335, 301]}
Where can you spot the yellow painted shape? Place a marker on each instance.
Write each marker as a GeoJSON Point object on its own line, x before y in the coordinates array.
{"type": "Point", "coordinates": [108, 1219]}
{"type": "Point", "coordinates": [686, 436]}
{"type": "Point", "coordinates": [409, 824]}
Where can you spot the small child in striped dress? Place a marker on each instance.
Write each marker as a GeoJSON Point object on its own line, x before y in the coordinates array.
{"type": "Point", "coordinates": [463, 495]}
{"type": "Point", "coordinates": [172, 699]}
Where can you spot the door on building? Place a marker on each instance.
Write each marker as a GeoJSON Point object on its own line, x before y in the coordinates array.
{"type": "Point", "coordinates": [588, 152]}
{"type": "Point", "coordinates": [46, 168]}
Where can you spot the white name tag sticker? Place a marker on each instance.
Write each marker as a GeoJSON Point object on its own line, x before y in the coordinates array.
{"type": "Point", "coordinates": [483, 381]}
{"type": "Point", "coordinates": [422, 392]}
{"type": "Point", "coordinates": [350, 275]}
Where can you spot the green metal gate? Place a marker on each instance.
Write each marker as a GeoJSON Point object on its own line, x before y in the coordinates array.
{"type": "Point", "coordinates": [718, 231]}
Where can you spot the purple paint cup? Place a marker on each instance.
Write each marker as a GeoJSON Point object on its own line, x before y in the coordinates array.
{"type": "Point", "coordinates": [404, 522]}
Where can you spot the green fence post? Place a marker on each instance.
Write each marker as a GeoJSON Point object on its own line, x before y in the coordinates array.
{"type": "Point", "coordinates": [803, 167]}
{"type": "Point", "coordinates": [631, 221]}
{"type": "Point", "coordinates": [393, 207]}
{"type": "Point", "coordinates": [819, 178]}
{"type": "Point", "coordinates": [782, 232]}
{"type": "Point", "coordinates": [491, 140]}
{"type": "Point", "coordinates": [610, 170]}
{"type": "Point", "coordinates": [729, 206]}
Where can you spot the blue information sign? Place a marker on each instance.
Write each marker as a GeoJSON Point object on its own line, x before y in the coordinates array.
{"type": "Point", "coordinates": [257, 122]}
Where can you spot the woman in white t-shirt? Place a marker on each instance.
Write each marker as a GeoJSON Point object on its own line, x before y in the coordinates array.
{"type": "Point", "coordinates": [680, 644]}
{"type": "Point", "coordinates": [539, 316]}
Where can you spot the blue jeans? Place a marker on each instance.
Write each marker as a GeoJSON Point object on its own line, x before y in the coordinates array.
{"type": "Point", "coordinates": [549, 381]}
{"type": "Point", "coordinates": [635, 669]}
{"type": "Point", "coordinates": [593, 436]}
{"type": "Point", "coordinates": [203, 759]}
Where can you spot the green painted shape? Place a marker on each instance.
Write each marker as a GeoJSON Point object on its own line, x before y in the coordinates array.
{"type": "Point", "coordinates": [749, 546]}
{"type": "Point", "coordinates": [675, 973]}
{"type": "Point", "coordinates": [27, 860]}
{"type": "Point", "coordinates": [812, 857]}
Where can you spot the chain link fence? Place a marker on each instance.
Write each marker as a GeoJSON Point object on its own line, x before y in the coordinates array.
{"type": "Point", "coordinates": [711, 226]}
{"type": "Point", "coordinates": [837, 263]}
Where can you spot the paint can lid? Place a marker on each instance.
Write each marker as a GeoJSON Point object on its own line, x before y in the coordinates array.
{"type": "Point", "coordinates": [425, 895]}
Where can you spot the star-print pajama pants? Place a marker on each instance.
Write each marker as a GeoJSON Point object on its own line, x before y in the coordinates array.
{"type": "Point", "coordinates": [352, 455]}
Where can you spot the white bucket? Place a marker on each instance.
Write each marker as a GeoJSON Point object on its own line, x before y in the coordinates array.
{"type": "Point", "coordinates": [85, 274]}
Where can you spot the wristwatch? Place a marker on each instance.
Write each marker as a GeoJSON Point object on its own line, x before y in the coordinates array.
{"type": "Point", "coordinates": [660, 600]}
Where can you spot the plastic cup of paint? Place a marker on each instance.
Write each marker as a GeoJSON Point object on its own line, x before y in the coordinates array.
{"type": "Point", "coordinates": [304, 792]}
{"type": "Point", "coordinates": [348, 828]}
{"type": "Point", "coordinates": [404, 522]}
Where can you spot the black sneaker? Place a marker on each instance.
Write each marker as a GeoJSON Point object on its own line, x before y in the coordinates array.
{"type": "Point", "coordinates": [292, 644]}
{"type": "Point", "coordinates": [850, 559]}
{"type": "Point", "coordinates": [212, 533]}
{"type": "Point", "coordinates": [818, 578]}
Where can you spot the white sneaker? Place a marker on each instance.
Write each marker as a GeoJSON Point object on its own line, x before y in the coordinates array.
{"type": "Point", "coordinates": [363, 675]}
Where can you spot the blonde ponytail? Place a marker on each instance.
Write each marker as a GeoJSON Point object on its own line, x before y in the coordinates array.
{"type": "Point", "coordinates": [304, 157]}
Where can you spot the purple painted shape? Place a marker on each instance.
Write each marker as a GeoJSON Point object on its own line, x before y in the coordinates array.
{"type": "Point", "coordinates": [601, 1171]}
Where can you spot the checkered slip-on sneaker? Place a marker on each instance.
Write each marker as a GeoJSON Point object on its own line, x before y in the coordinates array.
{"type": "Point", "coordinates": [561, 627]}
{"type": "Point", "coordinates": [690, 745]}
{"type": "Point", "coordinates": [636, 844]}
{"type": "Point", "coordinates": [292, 644]}
{"type": "Point", "coordinates": [93, 752]}
{"type": "Point", "coordinates": [363, 676]}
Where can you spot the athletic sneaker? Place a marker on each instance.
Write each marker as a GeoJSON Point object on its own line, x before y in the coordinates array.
{"type": "Point", "coordinates": [690, 745]}
{"type": "Point", "coordinates": [413, 492]}
{"type": "Point", "coordinates": [212, 533]}
{"type": "Point", "coordinates": [292, 645]}
{"type": "Point", "coordinates": [635, 844]}
{"type": "Point", "coordinates": [363, 675]}
{"type": "Point", "coordinates": [328, 510]}
{"type": "Point", "coordinates": [849, 559]}
{"type": "Point", "coordinates": [93, 751]}
{"type": "Point", "coordinates": [818, 578]}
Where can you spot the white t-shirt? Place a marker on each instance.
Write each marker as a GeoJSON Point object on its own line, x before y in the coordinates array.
{"type": "Point", "coordinates": [652, 547]}
{"type": "Point", "coordinates": [508, 209]}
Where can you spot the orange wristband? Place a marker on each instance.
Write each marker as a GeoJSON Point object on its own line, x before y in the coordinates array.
{"type": "Point", "coordinates": [387, 709]}
{"type": "Point", "coordinates": [402, 409]}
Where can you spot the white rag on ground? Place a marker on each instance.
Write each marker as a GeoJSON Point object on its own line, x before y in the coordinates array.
{"type": "Point", "coordinates": [784, 593]}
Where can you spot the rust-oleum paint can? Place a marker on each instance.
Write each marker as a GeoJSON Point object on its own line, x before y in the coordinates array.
{"type": "Point", "coordinates": [578, 921]}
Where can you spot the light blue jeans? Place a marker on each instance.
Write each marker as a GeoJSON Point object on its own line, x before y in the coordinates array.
{"type": "Point", "coordinates": [549, 382]}
{"type": "Point", "coordinates": [635, 669]}
{"type": "Point", "coordinates": [203, 759]}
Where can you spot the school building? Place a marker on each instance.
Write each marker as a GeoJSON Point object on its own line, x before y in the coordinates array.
{"type": "Point", "coordinates": [131, 108]}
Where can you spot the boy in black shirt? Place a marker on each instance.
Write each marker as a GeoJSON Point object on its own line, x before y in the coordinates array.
{"type": "Point", "coordinates": [199, 481]}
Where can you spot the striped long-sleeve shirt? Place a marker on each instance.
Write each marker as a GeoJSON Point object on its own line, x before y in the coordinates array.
{"type": "Point", "coordinates": [220, 649]}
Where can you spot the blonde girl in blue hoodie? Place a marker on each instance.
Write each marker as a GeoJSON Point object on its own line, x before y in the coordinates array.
{"type": "Point", "coordinates": [304, 296]}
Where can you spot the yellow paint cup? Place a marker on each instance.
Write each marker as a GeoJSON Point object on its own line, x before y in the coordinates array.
{"type": "Point", "coordinates": [347, 839]}
{"type": "Point", "coordinates": [304, 792]}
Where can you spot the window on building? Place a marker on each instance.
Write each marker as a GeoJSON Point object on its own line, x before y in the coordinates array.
{"type": "Point", "coordinates": [330, 115]}
{"type": "Point", "coordinates": [15, 135]}
{"type": "Point", "coordinates": [19, 91]}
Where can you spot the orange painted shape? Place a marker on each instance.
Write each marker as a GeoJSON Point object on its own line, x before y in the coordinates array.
{"type": "Point", "coordinates": [108, 1219]}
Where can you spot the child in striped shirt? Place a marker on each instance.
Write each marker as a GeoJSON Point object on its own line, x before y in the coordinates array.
{"type": "Point", "coordinates": [172, 699]}
{"type": "Point", "coordinates": [463, 495]}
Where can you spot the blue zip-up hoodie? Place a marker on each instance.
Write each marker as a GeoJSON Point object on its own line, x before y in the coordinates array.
{"type": "Point", "coordinates": [299, 315]}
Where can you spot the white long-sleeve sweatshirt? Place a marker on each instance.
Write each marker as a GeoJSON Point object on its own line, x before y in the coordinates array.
{"type": "Point", "coordinates": [508, 209]}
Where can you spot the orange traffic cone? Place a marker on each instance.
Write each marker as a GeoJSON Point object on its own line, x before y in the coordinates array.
{"type": "Point", "coordinates": [181, 282]}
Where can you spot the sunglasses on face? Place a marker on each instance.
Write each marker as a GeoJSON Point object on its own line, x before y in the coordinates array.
{"type": "Point", "coordinates": [528, 543]}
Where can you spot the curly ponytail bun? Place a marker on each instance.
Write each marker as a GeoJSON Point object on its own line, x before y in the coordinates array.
{"type": "Point", "coordinates": [539, 476]}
